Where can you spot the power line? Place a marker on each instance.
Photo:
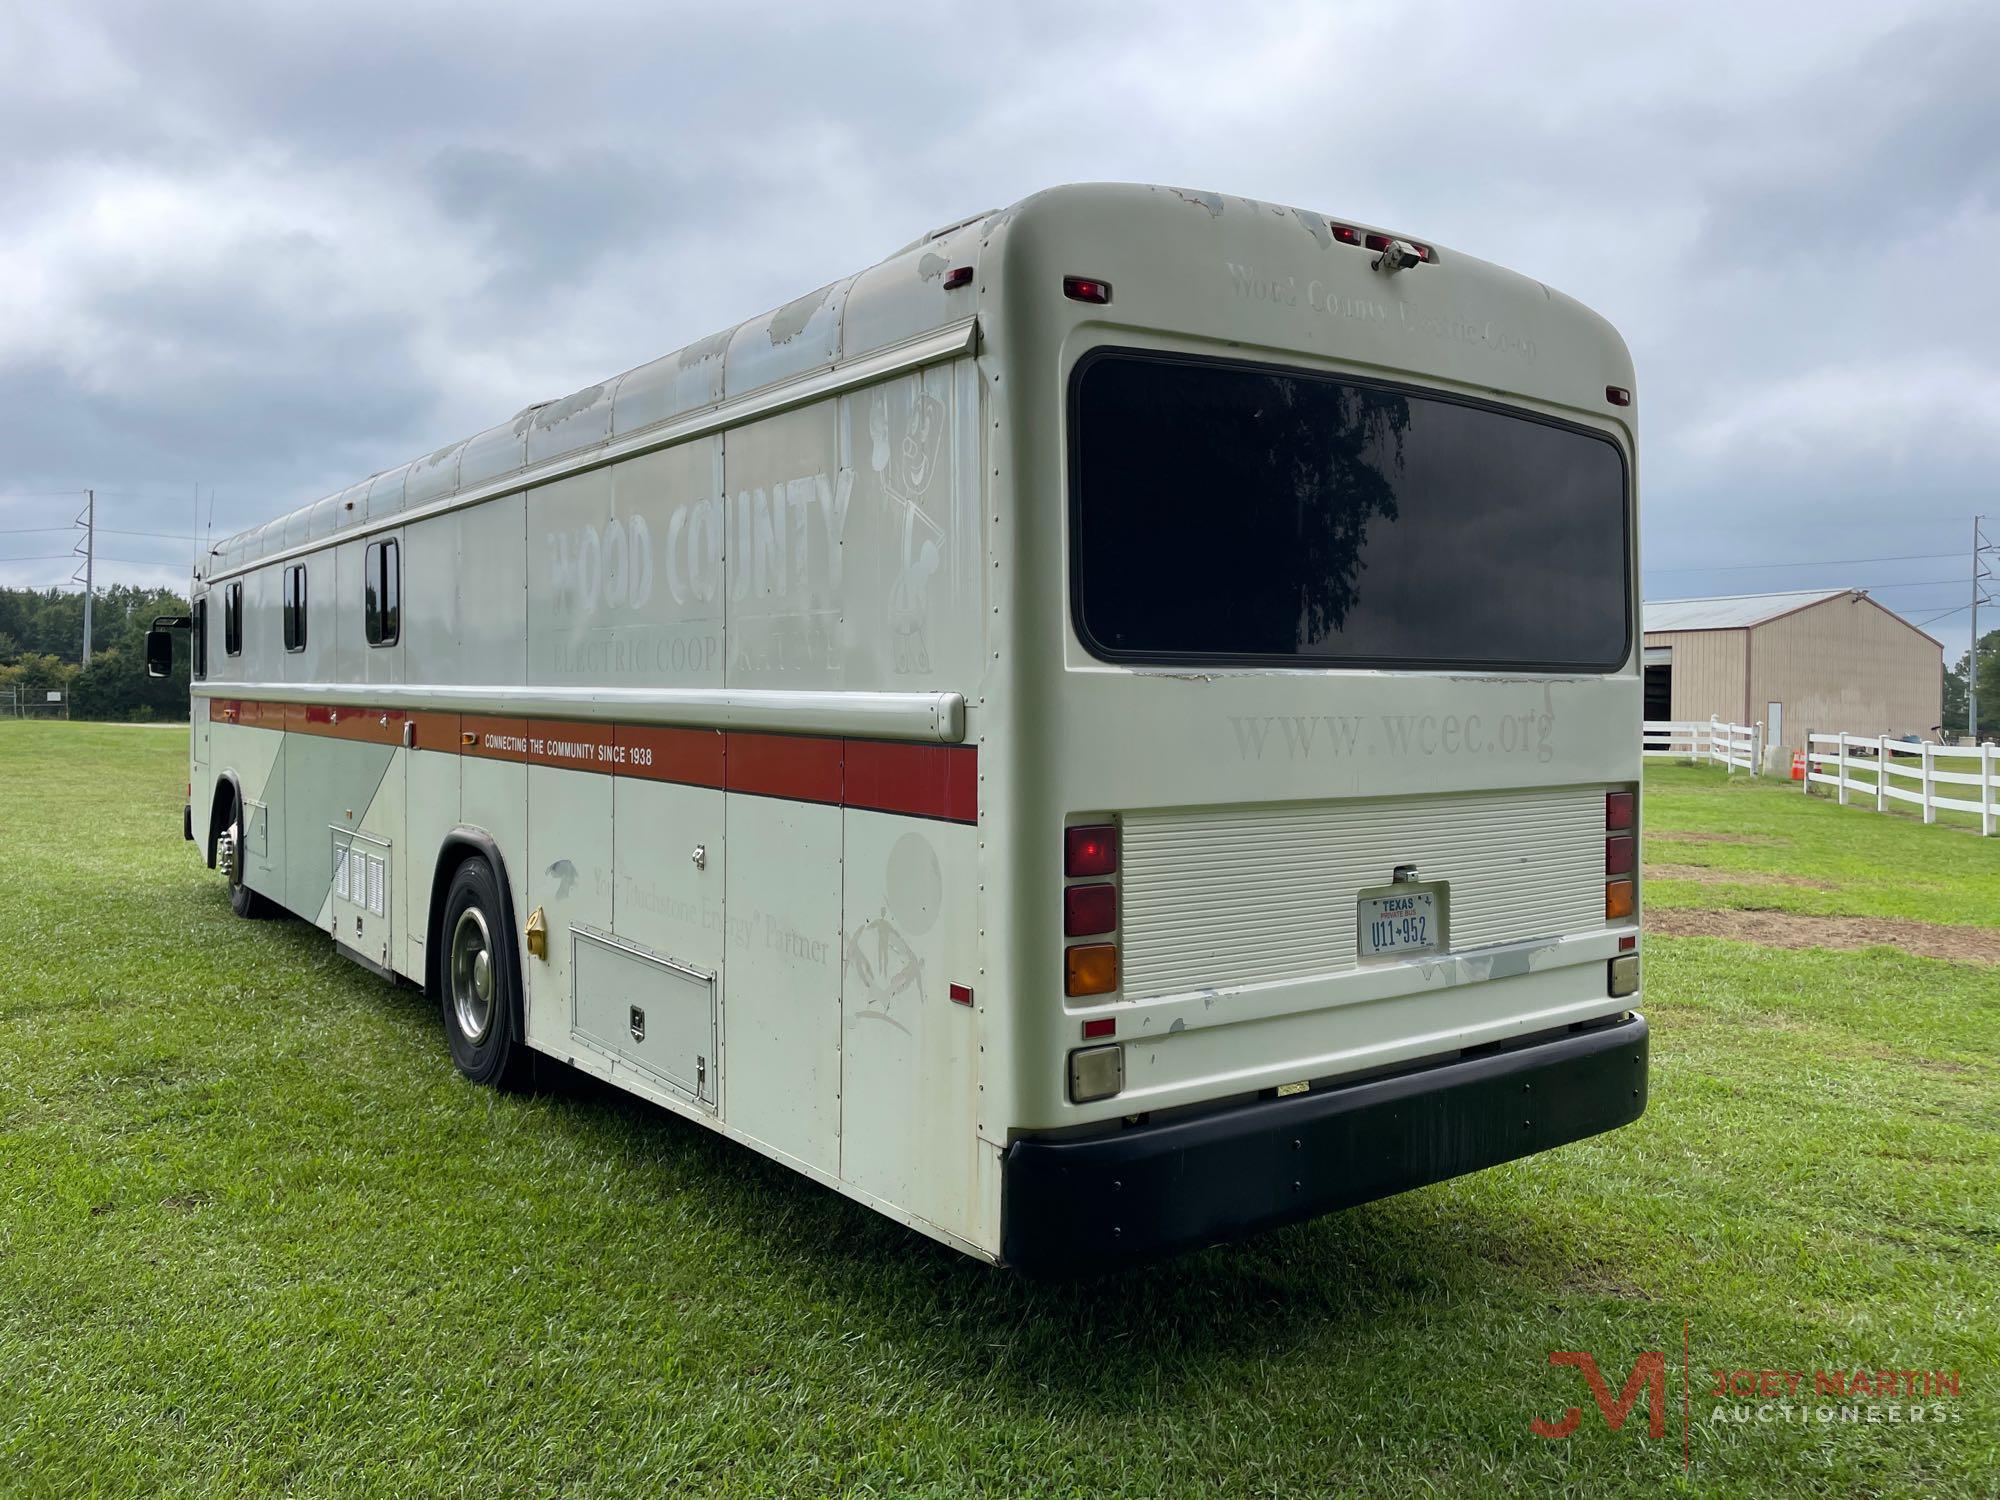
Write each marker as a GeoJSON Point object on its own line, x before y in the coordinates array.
{"type": "Point", "coordinates": [165, 536]}
{"type": "Point", "coordinates": [1824, 562]}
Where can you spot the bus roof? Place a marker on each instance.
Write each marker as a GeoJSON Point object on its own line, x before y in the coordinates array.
{"type": "Point", "coordinates": [897, 300]}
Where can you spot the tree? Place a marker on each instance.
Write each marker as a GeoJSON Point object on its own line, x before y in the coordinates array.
{"type": "Point", "coordinates": [40, 635]}
{"type": "Point", "coordinates": [1956, 678]}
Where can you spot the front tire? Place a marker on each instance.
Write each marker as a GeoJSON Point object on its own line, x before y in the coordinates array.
{"type": "Point", "coordinates": [479, 980]}
{"type": "Point", "coordinates": [243, 901]}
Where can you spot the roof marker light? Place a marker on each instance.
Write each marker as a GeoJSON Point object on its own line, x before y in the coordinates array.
{"type": "Point", "coordinates": [957, 277]}
{"type": "Point", "coordinates": [1617, 395]}
{"type": "Point", "coordinates": [1086, 289]}
{"type": "Point", "coordinates": [1347, 234]}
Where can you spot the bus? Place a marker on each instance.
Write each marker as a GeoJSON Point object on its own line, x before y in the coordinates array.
{"type": "Point", "coordinates": [1110, 730]}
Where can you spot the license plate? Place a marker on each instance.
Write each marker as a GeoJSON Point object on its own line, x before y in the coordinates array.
{"type": "Point", "coordinates": [1392, 926]}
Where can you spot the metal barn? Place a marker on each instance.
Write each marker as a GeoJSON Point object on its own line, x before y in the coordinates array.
{"type": "Point", "coordinates": [1818, 660]}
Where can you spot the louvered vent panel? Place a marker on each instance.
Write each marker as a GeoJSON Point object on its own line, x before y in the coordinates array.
{"type": "Point", "coordinates": [1253, 895]}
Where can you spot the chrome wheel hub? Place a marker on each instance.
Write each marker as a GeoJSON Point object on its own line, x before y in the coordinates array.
{"type": "Point", "coordinates": [472, 974]}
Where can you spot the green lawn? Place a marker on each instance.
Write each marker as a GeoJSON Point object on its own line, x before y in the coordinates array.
{"type": "Point", "coordinates": [1859, 861]}
{"type": "Point", "coordinates": [257, 1237]}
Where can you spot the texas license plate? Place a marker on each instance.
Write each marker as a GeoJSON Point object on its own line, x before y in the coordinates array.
{"type": "Point", "coordinates": [1393, 926]}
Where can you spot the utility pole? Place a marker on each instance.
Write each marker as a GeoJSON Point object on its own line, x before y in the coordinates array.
{"type": "Point", "coordinates": [1980, 573]}
{"type": "Point", "coordinates": [88, 547]}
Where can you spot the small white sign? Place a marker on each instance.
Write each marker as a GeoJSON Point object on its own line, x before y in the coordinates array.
{"type": "Point", "coordinates": [55, 697]}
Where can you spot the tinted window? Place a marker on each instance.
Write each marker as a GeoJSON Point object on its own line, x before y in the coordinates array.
{"type": "Point", "coordinates": [381, 603]}
{"type": "Point", "coordinates": [200, 664]}
{"type": "Point", "coordinates": [232, 619]}
{"type": "Point", "coordinates": [1231, 512]}
{"type": "Point", "coordinates": [295, 608]}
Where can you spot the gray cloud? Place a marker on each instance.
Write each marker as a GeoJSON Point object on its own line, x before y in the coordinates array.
{"type": "Point", "coordinates": [272, 249]}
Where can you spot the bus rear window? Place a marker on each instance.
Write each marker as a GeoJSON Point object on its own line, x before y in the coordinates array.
{"type": "Point", "coordinates": [1225, 512]}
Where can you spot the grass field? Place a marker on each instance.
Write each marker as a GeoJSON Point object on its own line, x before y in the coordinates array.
{"type": "Point", "coordinates": [257, 1237]}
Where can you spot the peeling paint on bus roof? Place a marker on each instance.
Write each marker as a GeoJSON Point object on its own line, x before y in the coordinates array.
{"type": "Point", "coordinates": [1210, 201]}
{"type": "Point", "coordinates": [569, 406]}
{"type": "Point", "coordinates": [932, 265]}
{"type": "Point", "coordinates": [789, 321]}
{"type": "Point", "coordinates": [1316, 226]}
{"type": "Point", "coordinates": [713, 347]}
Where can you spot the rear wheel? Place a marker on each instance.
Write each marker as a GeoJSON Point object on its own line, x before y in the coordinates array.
{"type": "Point", "coordinates": [479, 979]}
{"type": "Point", "coordinates": [229, 860]}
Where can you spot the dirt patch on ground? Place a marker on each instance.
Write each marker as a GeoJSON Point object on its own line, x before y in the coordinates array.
{"type": "Point", "coordinates": [1706, 875]}
{"type": "Point", "coordinates": [1784, 929]}
{"type": "Point", "coordinates": [1680, 836]}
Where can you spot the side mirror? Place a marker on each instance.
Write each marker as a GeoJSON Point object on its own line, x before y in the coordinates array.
{"type": "Point", "coordinates": [159, 653]}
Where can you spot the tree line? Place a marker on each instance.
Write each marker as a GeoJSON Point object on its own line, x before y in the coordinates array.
{"type": "Point", "coordinates": [1955, 681]}
{"type": "Point", "coordinates": [41, 635]}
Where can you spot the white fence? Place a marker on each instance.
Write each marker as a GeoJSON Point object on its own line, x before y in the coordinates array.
{"type": "Point", "coordinates": [1877, 769]}
{"type": "Point", "coordinates": [1738, 747]}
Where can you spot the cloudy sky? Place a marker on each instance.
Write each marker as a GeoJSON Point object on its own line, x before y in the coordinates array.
{"type": "Point", "coordinates": [266, 250]}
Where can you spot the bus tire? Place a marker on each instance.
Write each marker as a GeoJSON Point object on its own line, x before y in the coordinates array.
{"type": "Point", "coordinates": [243, 901]}
{"type": "Point", "coordinates": [479, 974]}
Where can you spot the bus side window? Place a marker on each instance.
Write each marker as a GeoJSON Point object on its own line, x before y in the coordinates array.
{"type": "Point", "coordinates": [381, 601]}
{"type": "Point", "coordinates": [200, 663]}
{"type": "Point", "coordinates": [295, 607]}
{"type": "Point", "coordinates": [232, 620]}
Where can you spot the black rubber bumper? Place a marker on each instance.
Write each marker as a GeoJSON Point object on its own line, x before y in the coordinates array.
{"type": "Point", "coordinates": [1072, 1206]}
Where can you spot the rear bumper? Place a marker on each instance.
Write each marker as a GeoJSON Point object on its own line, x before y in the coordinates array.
{"type": "Point", "coordinates": [1070, 1206]}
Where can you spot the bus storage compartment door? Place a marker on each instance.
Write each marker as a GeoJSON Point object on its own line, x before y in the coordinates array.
{"type": "Point", "coordinates": [645, 1010]}
{"type": "Point", "coordinates": [359, 912]}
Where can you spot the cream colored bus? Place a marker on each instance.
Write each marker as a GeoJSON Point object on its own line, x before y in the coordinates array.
{"type": "Point", "coordinates": [1108, 730]}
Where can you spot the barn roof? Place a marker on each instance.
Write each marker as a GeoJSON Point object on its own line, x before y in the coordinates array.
{"type": "Point", "coordinates": [1732, 611]}
{"type": "Point", "coordinates": [1740, 611]}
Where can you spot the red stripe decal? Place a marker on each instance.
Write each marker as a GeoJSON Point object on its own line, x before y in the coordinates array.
{"type": "Point", "coordinates": [801, 767]}
{"type": "Point", "coordinates": [926, 781]}
{"type": "Point", "coordinates": [494, 739]}
{"type": "Point", "coordinates": [692, 757]}
{"type": "Point", "coordinates": [572, 746]}
{"type": "Point", "coordinates": [923, 781]}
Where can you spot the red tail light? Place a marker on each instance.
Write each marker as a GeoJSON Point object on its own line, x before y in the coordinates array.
{"type": "Point", "coordinates": [1086, 289]}
{"type": "Point", "coordinates": [1089, 910]}
{"type": "Point", "coordinates": [1618, 854]}
{"type": "Point", "coordinates": [1090, 851]}
{"type": "Point", "coordinates": [1619, 808]}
